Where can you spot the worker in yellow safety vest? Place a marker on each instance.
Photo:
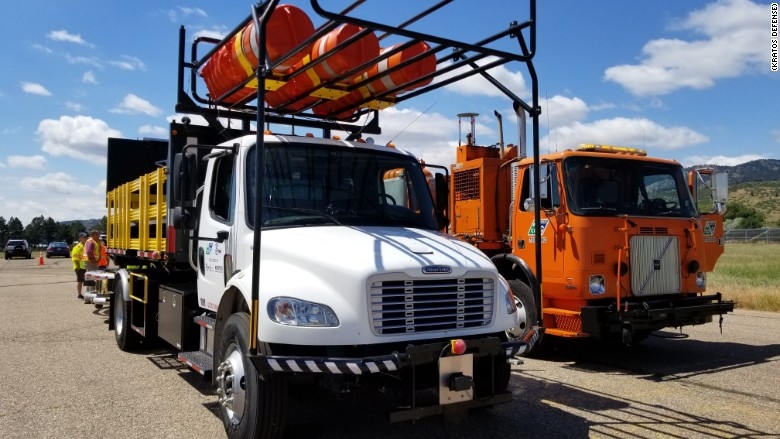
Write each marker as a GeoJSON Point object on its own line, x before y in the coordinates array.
{"type": "Point", "coordinates": [77, 256]}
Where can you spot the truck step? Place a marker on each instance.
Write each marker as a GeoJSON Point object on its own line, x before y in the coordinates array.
{"type": "Point", "coordinates": [567, 323]}
{"type": "Point", "coordinates": [199, 361]}
{"type": "Point", "coordinates": [560, 312]}
{"type": "Point", "coordinates": [207, 322]}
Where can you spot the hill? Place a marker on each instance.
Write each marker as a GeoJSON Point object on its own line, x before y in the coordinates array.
{"type": "Point", "coordinates": [756, 184]}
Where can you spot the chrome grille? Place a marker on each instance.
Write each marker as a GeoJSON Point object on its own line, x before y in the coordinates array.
{"type": "Point", "coordinates": [655, 265]}
{"type": "Point", "coordinates": [428, 305]}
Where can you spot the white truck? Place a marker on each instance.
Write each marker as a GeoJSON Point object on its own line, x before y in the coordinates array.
{"type": "Point", "coordinates": [262, 257]}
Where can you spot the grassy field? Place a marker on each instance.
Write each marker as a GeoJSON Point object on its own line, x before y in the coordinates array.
{"type": "Point", "coordinates": [748, 274]}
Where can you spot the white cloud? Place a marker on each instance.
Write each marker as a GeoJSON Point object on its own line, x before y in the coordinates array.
{"type": "Point", "coordinates": [182, 12]}
{"type": "Point", "coordinates": [430, 136]}
{"type": "Point", "coordinates": [479, 86]}
{"type": "Point", "coordinates": [637, 132]}
{"type": "Point", "coordinates": [133, 104]}
{"type": "Point", "coordinates": [35, 89]}
{"type": "Point", "coordinates": [89, 77]}
{"type": "Point", "coordinates": [129, 63]}
{"type": "Point", "coordinates": [78, 108]}
{"type": "Point", "coordinates": [193, 11]}
{"type": "Point", "coordinates": [214, 32]}
{"type": "Point", "coordinates": [42, 48]}
{"type": "Point", "coordinates": [153, 131]}
{"type": "Point", "coordinates": [58, 182]}
{"type": "Point", "coordinates": [80, 137]}
{"type": "Point", "coordinates": [30, 162]}
{"type": "Point", "coordinates": [734, 43]}
{"type": "Point", "coordinates": [63, 35]}
{"type": "Point", "coordinates": [720, 160]}
{"type": "Point", "coordinates": [561, 111]}
{"type": "Point", "coordinates": [59, 195]}
{"type": "Point", "coordinates": [87, 60]}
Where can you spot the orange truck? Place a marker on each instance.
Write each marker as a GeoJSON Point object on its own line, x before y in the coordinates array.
{"type": "Point", "coordinates": [625, 240]}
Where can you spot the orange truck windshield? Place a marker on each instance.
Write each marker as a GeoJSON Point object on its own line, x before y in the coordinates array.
{"type": "Point", "coordinates": [598, 186]}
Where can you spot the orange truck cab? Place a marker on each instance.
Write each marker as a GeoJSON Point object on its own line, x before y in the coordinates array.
{"type": "Point", "coordinates": [626, 239]}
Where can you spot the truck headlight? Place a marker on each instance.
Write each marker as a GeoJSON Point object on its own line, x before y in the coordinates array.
{"type": "Point", "coordinates": [509, 297]}
{"type": "Point", "coordinates": [596, 284]}
{"type": "Point", "coordinates": [295, 312]}
{"type": "Point", "coordinates": [701, 279]}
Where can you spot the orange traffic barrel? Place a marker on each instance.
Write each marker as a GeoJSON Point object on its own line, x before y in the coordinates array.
{"type": "Point", "coordinates": [336, 64]}
{"type": "Point", "coordinates": [398, 78]}
{"type": "Point", "coordinates": [237, 59]}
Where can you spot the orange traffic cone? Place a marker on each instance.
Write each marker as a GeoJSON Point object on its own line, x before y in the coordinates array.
{"type": "Point", "coordinates": [40, 258]}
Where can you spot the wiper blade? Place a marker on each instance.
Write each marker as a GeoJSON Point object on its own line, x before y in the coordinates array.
{"type": "Point", "coordinates": [300, 210]}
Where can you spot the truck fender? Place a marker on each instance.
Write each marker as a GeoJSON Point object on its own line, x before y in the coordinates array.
{"type": "Point", "coordinates": [233, 301]}
{"type": "Point", "coordinates": [512, 267]}
{"type": "Point", "coordinates": [122, 279]}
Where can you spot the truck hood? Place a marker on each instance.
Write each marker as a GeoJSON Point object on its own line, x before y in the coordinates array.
{"type": "Point", "coordinates": [391, 249]}
{"type": "Point", "coordinates": [338, 266]}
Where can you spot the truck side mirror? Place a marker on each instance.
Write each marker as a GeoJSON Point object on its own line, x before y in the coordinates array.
{"type": "Point", "coordinates": [442, 199]}
{"type": "Point", "coordinates": [710, 190]}
{"type": "Point", "coordinates": [721, 191]}
{"type": "Point", "coordinates": [185, 177]}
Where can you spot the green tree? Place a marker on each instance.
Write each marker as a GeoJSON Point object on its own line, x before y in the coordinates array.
{"type": "Point", "coordinates": [51, 230]}
{"type": "Point", "coordinates": [35, 231]}
{"type": "Point", "coordinates": [746, 217]}
{"type": "Point", "coordinates": [15, 228]}
{"type": "Point", "coordinates": [74, 229]}
{"type": "Point", "coordinates": [3, 231]}
{"type": "Point", "coordinates": [102, 225]}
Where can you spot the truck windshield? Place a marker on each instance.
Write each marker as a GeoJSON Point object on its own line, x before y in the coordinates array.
{"type": "Point", "coordinates": [599, 186]}
{"type": "Point", "coordinates": [315, 185]}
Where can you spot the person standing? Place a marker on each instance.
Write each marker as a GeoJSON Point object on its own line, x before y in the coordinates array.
{"type": "Point", "coordinates": [77, 256]}
{"type": "Point", "coordinates": [92, 251]}
{"type": "Point", "coordinates": [103, 261]}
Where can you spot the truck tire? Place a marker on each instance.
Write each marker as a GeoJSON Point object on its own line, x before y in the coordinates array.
{"type": "Point", "coordinates": [127, 339]}
{"type": "Point", "coordinates": [249, 406]}
{"type": "Point", "coordinates": [524, 299]}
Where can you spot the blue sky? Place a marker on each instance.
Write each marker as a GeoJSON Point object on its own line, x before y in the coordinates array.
{"type": "Point", "coordinates": [687, 80]}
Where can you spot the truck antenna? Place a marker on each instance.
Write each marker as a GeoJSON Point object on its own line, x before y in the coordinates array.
{"type": "Point", "coordinates": [410, 123]}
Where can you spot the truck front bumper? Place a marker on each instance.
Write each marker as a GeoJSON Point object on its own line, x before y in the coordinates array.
{"type": "Point", "coordinates": [651, 313]}
{"type": "Point", "coordinates": [395, 361]}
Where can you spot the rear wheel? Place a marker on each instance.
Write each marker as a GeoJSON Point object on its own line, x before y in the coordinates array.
{"type": "Point", "coordinates": [250, 405]}
{"type": "Point", "coordinates": [127, 339]}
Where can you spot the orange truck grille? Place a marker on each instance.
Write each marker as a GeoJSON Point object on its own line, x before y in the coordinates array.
{"type": "Point", "coordinates": [655, 265]}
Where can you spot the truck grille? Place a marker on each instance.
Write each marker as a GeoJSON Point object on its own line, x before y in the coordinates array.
{"type": "Point", "coordinates": [418, 306]}
{"type": "Point", "coordinates": [655, 265]}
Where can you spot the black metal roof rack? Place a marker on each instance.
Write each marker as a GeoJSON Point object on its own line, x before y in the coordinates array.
{"type": "Point", "coordinates": [455, 61]}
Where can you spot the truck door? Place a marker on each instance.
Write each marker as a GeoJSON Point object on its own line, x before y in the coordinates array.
{"type": "Point", "coordinates": [216, 240]}
{"type": "Point", "coordinates": [710, 192]}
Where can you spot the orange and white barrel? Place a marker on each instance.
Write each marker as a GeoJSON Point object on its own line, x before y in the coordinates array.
{"type": "Point", "coordinates": [342, 60]}
{"type": "Point", "coordinates": [398, 78]}
{"type": "Point", "coordinates": [237, 59]}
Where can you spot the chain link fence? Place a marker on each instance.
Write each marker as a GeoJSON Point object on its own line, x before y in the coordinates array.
{"type": "Point", "coordinates": [753, 235]}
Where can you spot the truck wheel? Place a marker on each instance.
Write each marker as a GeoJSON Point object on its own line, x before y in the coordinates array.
{"type": "Point", "coordinates": [524, 299]}
{"type": "Point", "coordinates": [127, 339]}
{"type": "Point", "coordinates": [250, 405]}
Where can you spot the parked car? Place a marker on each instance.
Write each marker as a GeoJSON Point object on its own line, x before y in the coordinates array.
{"type": "Point", "coordinates": [17, 248]}
{"type": "Point", "coordinates": [57, 249]}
